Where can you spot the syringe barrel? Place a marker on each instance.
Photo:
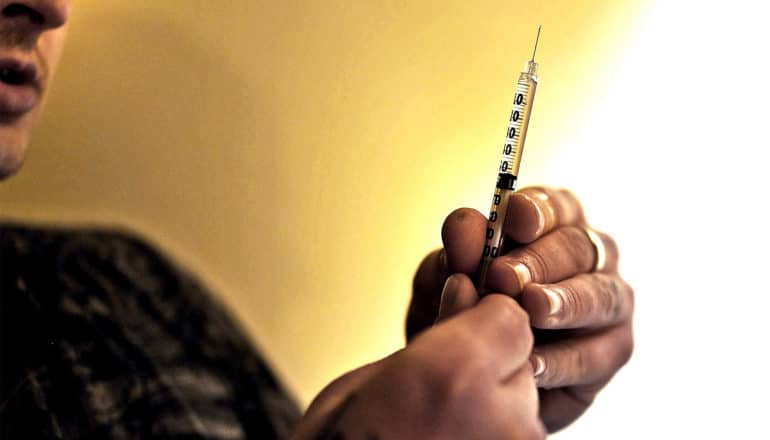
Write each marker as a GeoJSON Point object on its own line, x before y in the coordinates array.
{"type": "Point", "coordinates": [518, 123]}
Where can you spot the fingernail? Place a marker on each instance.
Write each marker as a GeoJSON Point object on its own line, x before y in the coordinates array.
{"type": "Point", "coordinates": [538, 365]}
{"type": "Point", "coordinates": [449, 285]}
{"type": "Point", "coordinates": [538, 213]}
{"type": "Point", "coordinates": [522, 273]}
{"type": "Point", "coordinates": [555, 300]}
{"type": "Point", "coordinates": [448, 296]}
{"type": "Point", "coordinates": [546, 207]}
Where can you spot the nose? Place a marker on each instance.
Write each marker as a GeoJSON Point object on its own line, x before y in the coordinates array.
{"type": "Point", "coordinates": [36, 15]}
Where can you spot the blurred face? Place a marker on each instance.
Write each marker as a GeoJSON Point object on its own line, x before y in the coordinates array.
{"type": "Point", "coordinates": [31, 38]}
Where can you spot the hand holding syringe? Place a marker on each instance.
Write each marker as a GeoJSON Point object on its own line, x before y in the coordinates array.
{"type": "Point", "coordinates": [561, 273]}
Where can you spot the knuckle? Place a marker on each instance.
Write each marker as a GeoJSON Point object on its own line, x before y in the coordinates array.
{"type": "Point", "coordinates": [621, 296]}
{"type": "Point", "coordinates": [582, 360]}
{"type": "Point", "coordinates": [574, 304]}
{"type": "Point", "coordinates": [513, 320]}
{"type": "Point", "coordinates": [610, 297]}
{"type": "Point", "coordinates": [535, 262]}
{"type": "Point", "coordinates": [569, 207]}
{"type": "Point", "coordinates": [508, 312]}
{"type": "Point", "coordinates": [569, 195]}
{"type": "Point", "coordinates": [575, 242]}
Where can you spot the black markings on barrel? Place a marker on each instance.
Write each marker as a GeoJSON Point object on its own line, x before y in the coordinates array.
{"type": "Point", "coordinates": [506, 181]}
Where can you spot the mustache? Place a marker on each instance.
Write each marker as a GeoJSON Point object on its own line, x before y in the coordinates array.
{"type": "Point", "coordinates": [13, 38]}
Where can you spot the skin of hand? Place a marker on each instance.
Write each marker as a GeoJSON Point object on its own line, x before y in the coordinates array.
{"type": "Point", "coordinates": [468, 377]}
{"type": "Point", "coordinates": [581, 318]}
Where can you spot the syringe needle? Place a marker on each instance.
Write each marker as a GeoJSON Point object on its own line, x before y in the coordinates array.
{"type": "Point", "coordinates": [537, 39]}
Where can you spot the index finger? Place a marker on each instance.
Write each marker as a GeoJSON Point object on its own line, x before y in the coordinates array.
{"type": "Point", "coordinates": [537, 210]}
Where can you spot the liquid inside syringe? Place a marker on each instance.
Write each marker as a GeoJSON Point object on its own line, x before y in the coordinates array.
{"type": "Point", "coordinates": [509, 165]}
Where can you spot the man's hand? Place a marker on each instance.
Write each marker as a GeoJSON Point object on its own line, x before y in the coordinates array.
{"type": "Point", "coordinates": [581, 313]}
{"type": "Point", "coordinates": [466, 378]}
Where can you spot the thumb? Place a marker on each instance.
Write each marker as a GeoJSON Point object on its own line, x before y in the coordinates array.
{"type": "Point", "coordinates": [458, 294]}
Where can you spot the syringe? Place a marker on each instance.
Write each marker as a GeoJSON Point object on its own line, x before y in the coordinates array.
{"type": "Point", "coordinates": [509, 165]}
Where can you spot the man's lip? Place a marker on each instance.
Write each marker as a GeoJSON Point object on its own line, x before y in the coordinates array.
{"type": "Point", "coordinates": [18, 99]}
{"type": "Point", "coordinates": [27, 71]}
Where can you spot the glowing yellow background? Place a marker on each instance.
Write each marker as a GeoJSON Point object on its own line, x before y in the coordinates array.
{"type": "Point", "coordinates": [301, 156]}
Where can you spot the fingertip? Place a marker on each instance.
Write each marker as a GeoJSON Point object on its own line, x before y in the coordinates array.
{"type": "Point", "coordinates": [448, 297]}
{"type": "Point", "coordinates": [506, 310]}
{"type": "Point", "coordinates": [508, 276]}
{"type": "Point", "coordinates": [535, 211]}
{"type": "Point", "coordinates": [459, 294]}
{"type": "Point", "coordinates": [542, 303]}
{"type": "Point", "coordinates": [525, 220]}
{"type": "Point", "coordinates": [463, 236]}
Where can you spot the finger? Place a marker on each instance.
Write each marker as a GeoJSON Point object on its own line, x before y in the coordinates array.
{"type": "Point", "coordinates": [459, 294]}
{"type": "Point", "coordinates": [561, 406]}
{"type": "Point", "coordinates": [494, 336]}
{"type": "Point", "coordinates": [430, 277]}
{"type": "Point", "coordinates": [586, 300]}
{"type": "Point", "coordinates": [562, 254]}
{"type": "Point", "coordinates": [535, 211]}
{"type": "Point", "coordinates": [583, 360]}
{"type": "Point", "coordinates": [463, 234]}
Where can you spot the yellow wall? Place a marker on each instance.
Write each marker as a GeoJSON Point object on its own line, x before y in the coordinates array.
{"type": "Point", "coordinates": [301, 155]}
